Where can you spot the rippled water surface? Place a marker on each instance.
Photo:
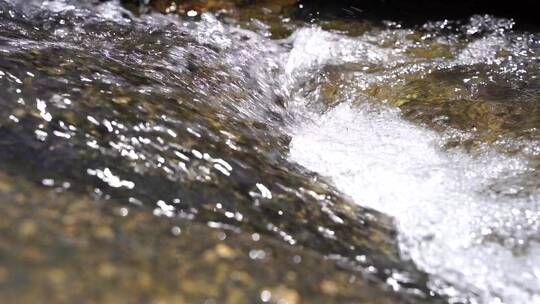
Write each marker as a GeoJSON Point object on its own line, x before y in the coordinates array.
{"type": "Point", "coordinates": [384, 165]}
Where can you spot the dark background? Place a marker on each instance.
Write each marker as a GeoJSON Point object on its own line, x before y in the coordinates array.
{"type": "Point", "coordinates": [414, 12]}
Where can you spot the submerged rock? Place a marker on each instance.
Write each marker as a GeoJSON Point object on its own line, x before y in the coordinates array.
{"type": "Point", "coordinates": [476, 82]}
{"type": "Point", "coordinates": [68, 247]}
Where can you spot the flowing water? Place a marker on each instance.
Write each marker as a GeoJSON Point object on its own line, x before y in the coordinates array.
{"type": "Point", "coordinates": [468, 217]}
{"type": "Point", "coordinates": [401, 162]}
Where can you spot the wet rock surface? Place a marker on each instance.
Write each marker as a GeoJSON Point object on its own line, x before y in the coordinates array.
{"type": "Point", "coordinates": [173, 124]}
{"type": "Point", "coordinates": [60, 247]}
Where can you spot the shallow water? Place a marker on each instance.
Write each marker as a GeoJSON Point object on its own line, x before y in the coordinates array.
{"type": "Point", "coordinates": [406, 158]}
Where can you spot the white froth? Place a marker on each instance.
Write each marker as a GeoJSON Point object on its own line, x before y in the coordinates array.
{"type": "Point", "coordinates": [451, 222]}
{"type": "Point", "coordinates": [313, 47]}
{"type": "Point", "coordinates": [448, 227]}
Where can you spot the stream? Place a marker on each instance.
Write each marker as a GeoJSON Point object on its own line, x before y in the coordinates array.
{"type": "Point", "coordinates": [201, 158]}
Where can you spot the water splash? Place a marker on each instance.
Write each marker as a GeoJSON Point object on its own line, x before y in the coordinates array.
{"type": "Point", "coordinates": [449, 227]}
{"type": "Point", "coordinates": [479, 242]}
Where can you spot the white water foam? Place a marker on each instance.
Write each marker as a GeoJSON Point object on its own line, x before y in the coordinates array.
{"type": "Point", "coordinates": [448, 227]}
{"type": "Point", "coordinates": [451, 222]}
